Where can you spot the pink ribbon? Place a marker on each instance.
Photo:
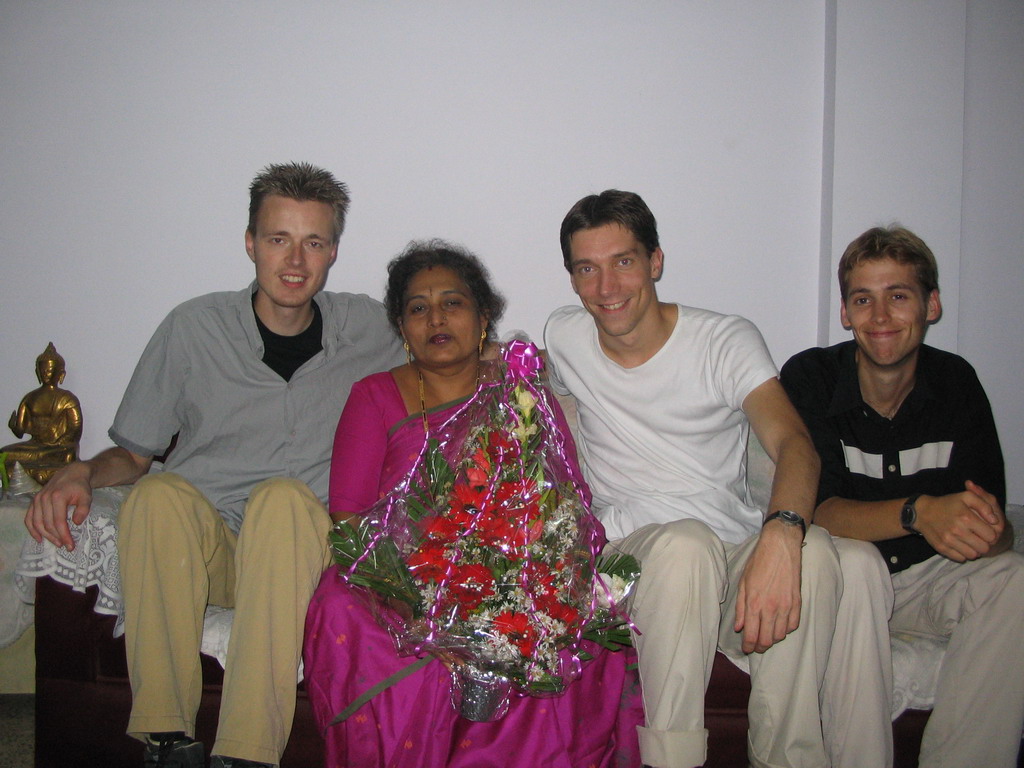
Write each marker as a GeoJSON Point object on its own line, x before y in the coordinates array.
{"type": "Point", "coordinates": [523, 359]}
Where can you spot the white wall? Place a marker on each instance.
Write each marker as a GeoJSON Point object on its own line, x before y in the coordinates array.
{"type": "Point", "coordinates": [992, 263]}
{"type": "Point", "coordinates": [132, 129]}
{"type": "Point", "coordinates": [135, 128]}
{"type": "Point", "coordinates": [928, 109]}
{"type": "Point", "coordinates": [899, 116]}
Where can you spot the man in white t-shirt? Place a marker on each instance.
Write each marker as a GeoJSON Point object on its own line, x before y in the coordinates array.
{"type": "Point", "coordinates": [665, 394]}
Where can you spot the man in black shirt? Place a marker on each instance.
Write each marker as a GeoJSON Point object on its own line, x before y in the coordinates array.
{"type": "Point", "coordinates": [911, 461]}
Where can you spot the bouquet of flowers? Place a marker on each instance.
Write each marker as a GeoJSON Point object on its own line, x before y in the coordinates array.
{"type": "Point", "coordinates": [487, 553]}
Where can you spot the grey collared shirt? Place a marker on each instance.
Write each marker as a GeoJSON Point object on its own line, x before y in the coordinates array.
{"type": "Point", "coordinates": [203, 378]}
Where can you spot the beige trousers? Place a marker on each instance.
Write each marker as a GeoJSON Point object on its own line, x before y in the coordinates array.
{"type": "Point", "coordinates": [684, 608]}
{"type": "Point", "coordinates": [177, 556]}
{"type": "Point", "coordinates": [979, 698]}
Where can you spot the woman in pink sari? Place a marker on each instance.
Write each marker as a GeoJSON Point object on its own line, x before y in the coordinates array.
{"type": "Point", "coordinates": [439, 299]}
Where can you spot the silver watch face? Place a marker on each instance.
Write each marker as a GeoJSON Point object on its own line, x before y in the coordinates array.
{"type": "Point", "coordinates": [790, 517]}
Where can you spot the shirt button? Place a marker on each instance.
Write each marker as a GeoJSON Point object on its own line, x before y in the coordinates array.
{"type": "Point", "coordinates": [892, 467]}
{"type": "Point", "coordinates": [894, 559]}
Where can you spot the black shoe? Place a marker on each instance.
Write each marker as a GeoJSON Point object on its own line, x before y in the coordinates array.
{"type": "Point", "coordinates": [172, 750]}
{"type": "Point", "coordinates": [219, 761]}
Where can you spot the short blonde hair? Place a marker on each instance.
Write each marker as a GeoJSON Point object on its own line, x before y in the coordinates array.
{"type": "Point", "coordinates": [299, 181]}
{"type": "Point", "coordinates": [893, 242]}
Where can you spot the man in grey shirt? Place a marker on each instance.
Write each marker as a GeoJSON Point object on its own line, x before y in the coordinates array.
{"type": "Point", "coordinates": [251, 384]}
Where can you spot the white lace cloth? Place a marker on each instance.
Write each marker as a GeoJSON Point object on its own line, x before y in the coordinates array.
{"type": "Point", "coordinates": [916, 659]}
{"type": "Point", "coordinates": [93, 561]}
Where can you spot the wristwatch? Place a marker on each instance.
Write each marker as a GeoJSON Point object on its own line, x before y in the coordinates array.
{"type": "Point", "coordinates": [788, 517]}
{"type": "Point", "coordinates": [908, 515]}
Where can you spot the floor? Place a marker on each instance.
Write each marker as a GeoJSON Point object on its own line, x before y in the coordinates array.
{"type": "Point", "coordinates": [17, 721]}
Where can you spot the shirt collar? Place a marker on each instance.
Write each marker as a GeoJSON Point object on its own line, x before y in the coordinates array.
{"type": "Point", "coordinates": [332, 336]}
{"type": "Point", "coordinates": [847, 395]}
{"type": "Point", "coordinates": [247, 316]}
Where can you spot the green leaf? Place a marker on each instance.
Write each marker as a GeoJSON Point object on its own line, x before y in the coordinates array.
{"type": "Point", "coordinates": [416, 509]}
{"type": "Point", "coordinates": [382, 569]}
{"type": "Point", "coordinates": [618, 564]}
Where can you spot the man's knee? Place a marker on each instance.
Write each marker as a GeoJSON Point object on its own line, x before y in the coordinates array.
{"type": "Point", "coordinates": [160, 484]}
{"type": "Point", "coordinates": [683, 546]}
{"type": "Point", "coordinates": [160, 497]}
{"type": "Point", "coordinates": [1007, 578]}
{"type": "Point", "coordinates": [285, 501]}
{"type": "Point", "coordinates": [280, 492]}
{"type": "Point", "coordinates": [680, 561]}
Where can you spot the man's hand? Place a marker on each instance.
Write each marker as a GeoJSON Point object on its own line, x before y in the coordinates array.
{"type": "Point", "coordinates": [47, 516]}
{"type": "Point", "coordinates": [961, 526]}
{"type": "Point", "coordinates": [768, 601]}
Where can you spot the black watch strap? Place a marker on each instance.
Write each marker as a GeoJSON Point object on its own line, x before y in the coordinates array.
{"type": "Point", "coordinates": [788, 517]}
{"type": "Point", "coordinates": [908, 515]}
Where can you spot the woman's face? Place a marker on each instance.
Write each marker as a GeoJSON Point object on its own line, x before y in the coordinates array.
{"type": "Point", "coordinates": [440, 319]}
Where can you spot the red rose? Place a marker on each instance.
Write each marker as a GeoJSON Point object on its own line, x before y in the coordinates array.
{"type": "Point", "coordinates": [448, 528]}
{"type": "Point", "coordinates": [521, 494]}
{"type": "Point", "coordinates": [494, 531]}
{"type": "Point", "coordinates": [467, 498]}
{"type": "Point", "coordinates": [500, 449]}
{"type": "Point", "coordinates": [470, 585]}
{"type": "Point", "coordinates": [537, 579]}
{"type": "Point", "coordinates": [478, 478]}
{"type": "Point", "coordinates": [516, 627]}
{"type": "Point", "coordinates": [563, 613]}
{"type": "Point", "coordinates": [430, 562]}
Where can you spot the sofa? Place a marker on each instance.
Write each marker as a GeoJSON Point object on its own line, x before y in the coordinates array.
{"type": "Point", "coordinates": [83, 698]}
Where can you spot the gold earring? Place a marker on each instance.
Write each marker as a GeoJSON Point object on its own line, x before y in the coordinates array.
{"type": "Point", "coordinates": [408, 352]}
{"type": "Point", "coordinates": [483, 338]}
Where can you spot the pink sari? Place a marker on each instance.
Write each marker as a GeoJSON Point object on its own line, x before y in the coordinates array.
{"type": "Point", "coordinates": [412, 723]}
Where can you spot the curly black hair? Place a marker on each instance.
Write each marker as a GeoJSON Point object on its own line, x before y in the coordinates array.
{"type": "Point", "coordinates": [422, 254]}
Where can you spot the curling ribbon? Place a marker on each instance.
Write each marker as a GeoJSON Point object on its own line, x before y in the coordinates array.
{"type": "Point", "coordinates": [523, 359]}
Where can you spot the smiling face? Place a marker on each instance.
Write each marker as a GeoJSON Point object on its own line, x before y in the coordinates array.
{"type": "Point", "coordinates": [293, 248]}
{"type": "Point", "coordinates": [888, 312]}
{"type": "Point", "coordinates": [614, 277]}
{"type": "Point", "coordinates": [440, 319]}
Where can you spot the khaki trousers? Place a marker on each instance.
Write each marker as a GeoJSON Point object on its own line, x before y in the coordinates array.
{"type": "Point", "coordinates": [177, 555]}
{"type": "Point", "coordinates": [684, 608]}
{"type": "Point", "coordinates": [979, 698]}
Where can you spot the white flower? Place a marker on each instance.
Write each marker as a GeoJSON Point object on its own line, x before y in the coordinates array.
{"type": "Point", "coordinates": [611, 590]}
{"type": "Point", "coordinates": [522, 432]}
{"type": "Point", "coordinates": [526, 401]}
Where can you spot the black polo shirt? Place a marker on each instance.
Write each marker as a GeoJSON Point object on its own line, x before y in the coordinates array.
{"type": "Point", "coordinates": [942, 435]}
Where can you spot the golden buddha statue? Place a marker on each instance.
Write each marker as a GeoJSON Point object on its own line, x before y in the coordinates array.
{"type": "Point", "coordinates": [51, 416]}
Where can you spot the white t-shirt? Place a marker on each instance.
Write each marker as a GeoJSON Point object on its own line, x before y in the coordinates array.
{"type": "Point", "coordinates": [665, 440]}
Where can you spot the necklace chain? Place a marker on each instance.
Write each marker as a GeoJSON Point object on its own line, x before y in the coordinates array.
{"type": "Point", "coordinates": [423, 402]}
{"type": "Point", "coordinates": [423, 399]}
